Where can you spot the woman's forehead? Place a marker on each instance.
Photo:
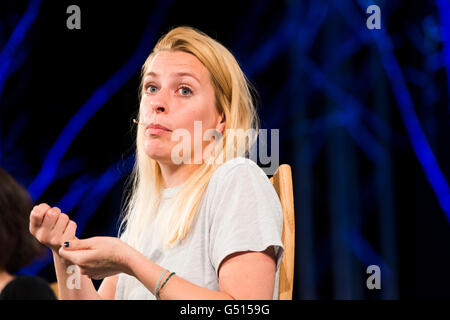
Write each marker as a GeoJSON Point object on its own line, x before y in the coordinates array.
{"type": "Point", "coordinates": [170, 62]}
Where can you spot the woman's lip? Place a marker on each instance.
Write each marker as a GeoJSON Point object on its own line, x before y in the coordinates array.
{"type": "Point", "coordinates": [156, 131]}
{"type": "Point", "coordinates": [156, 126]}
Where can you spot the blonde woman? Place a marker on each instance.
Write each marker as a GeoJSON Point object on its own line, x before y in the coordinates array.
{"type": "Point", "coordinates": [202, 221]}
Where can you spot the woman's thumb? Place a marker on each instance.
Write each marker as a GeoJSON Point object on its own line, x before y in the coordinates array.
{"type": "Point", "coordinates": [75, 244]}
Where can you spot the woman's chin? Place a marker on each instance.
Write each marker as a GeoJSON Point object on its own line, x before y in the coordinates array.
{"type": "Point", "coordinates": [156, 151]}
{"type": "Point", "coordinates": [159, 156]}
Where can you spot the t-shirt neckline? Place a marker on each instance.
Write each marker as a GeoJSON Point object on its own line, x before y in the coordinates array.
{"type": "Point", "coordinates": [170, 192]}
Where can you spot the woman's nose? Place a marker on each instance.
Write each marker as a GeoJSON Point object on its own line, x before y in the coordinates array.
{"type": "Point", "coordinates": [158, 107]}
{"type": "Point", "coordinates": [159, 102]}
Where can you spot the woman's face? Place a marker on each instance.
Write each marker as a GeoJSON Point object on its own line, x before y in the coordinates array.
{"type": "Point", "coordinates": [177, 91]}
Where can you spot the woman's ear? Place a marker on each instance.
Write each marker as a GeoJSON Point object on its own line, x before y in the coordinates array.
{"type": "Point", "coordinates": [221, 125]}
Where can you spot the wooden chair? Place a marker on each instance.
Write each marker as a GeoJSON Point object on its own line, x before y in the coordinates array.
{"type": "Point", "coordinates": [282, 182]}
{"type": "Point", "coordinates": [54, 287]}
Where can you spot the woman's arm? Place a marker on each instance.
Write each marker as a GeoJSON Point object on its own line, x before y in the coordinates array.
{"type": "Point", "coordinates": [68, 290]}
{"type": "Point", "coordinates": [108, 287]}
{"type": "Point", "coordinates": [67, 277]}
{"type": "Point", "coordinates": [51, 227]}
{"type": "Point", "coordinates": [243, 275]}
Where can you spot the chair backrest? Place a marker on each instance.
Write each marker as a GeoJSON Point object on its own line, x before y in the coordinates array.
{"type": "Point", "coordinates": [282, 182]}
{"type": "Point", "coordinates": [54, 287]}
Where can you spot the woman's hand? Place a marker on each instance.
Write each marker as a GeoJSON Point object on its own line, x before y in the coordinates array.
{"type": "Point", "coordinates": [51, 227]}
{"type": "Point", "coordinates": [97, 257]}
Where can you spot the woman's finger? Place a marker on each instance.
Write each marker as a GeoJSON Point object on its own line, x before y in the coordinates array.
{"type": "Point", "coordinates": [50, 218]}
{"type": "Point", "coordinates": [77, 244]}
{"type": "Point", "coordinates": [61, 224]}
{"type": "Point", "coordinates": [72, 256]}
{"type": "Point", "coordinates": [70, 231]}
{"type": "Point", "coordinates": [76, 251]}
{"type": "Point", "coordinates": [37, 216]}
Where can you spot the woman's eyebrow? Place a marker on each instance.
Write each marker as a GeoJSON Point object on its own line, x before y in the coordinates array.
{"type": "Point", "coordinates": [151, 74]}
{"type": "Point", "coordinates": [177, 74]}
{"type": "Point", "coordinates": [187, 74]}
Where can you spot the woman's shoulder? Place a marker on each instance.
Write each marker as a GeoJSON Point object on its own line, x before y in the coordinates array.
{"type": "Point", "coordinates": [241, 178]}
{"type": "Point", "coordinates": [236, 166]}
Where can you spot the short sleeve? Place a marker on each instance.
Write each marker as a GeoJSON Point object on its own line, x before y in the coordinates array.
{"type": "Point", "coordinates": [246, 213]}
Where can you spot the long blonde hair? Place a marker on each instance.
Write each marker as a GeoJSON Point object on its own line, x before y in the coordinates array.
{"type": "Point", "coordinates": [234, 100]}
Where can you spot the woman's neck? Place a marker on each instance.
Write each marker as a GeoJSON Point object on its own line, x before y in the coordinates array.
{"type": "Point", "coordinates": [5, 278]}
{"type": "Point", "coordinates": [174, 175]}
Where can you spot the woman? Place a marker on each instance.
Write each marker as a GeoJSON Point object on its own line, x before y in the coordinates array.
{"type": "Point", "coordinates": [201, 222]}
{"type": "Point", "coordinates": [17, 247]}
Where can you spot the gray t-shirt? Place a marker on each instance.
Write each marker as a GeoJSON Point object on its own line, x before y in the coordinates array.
{"type": "Point", "coordinates": [240, 211]}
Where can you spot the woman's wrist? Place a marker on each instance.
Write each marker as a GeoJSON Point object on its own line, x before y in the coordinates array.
{"type": "Point", "coordinates": [58, 259]}
{"type": "Point", "coordinates": [128, 259]}
{"type": "Point", "coordinates": [137, 265]}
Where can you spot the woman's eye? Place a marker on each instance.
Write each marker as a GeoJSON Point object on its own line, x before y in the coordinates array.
{"type": "Point", "coordinates": [185, 91]}
{"type": "Point", "coordinates": [151, 89]}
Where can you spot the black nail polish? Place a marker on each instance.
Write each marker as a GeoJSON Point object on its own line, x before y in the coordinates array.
{"type": "Point", "coordinates": [66, 244]}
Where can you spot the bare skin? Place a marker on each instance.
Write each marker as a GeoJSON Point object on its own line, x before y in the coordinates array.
{"type": "Point", "coordinates": [5, 278]}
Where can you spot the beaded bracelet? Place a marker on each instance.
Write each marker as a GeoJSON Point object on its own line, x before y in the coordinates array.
{"type": "Point", "coordinates": [164, 283]}
{"type": "Point", "coordinates": [159, 281]}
